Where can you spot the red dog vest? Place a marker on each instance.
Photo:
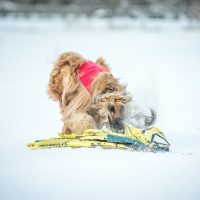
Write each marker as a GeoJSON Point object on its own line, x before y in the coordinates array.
{"type": "Point", "coordinates": [88, 71]}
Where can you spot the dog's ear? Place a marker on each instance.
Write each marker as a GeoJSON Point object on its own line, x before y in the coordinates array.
{"type": "Point", "coordinates": [93, 111]}
{"type": "Point", "coordinates": [106, 83]}
{"type": "Point", "coordinates": [67, 62]}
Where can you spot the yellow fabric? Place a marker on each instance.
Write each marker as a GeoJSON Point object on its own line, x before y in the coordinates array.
{"type": "Point", "coordinates": [92, 138]}
{"type": "Point", "coordinates": [60, 143]}
{"type": "Point", "coordinates": [152, 131]}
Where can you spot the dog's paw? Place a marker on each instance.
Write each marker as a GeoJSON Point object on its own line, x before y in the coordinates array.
{"type": "Point", "coordinates": [106, 129]}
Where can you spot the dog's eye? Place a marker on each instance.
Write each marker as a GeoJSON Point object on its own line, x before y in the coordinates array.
{"type": "Point", "coordinates": [122, 109]}
{"type": "Point", "coordinates": [111, 108]}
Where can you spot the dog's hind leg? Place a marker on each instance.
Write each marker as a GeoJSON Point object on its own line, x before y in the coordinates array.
{"type": "Point", "coordinates": [66, 129]}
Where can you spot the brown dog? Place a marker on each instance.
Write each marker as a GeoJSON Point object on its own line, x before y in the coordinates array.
{"type": "Point", "coordinates": [89, 95]}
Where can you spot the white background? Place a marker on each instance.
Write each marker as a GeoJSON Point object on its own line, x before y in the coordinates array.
{"type": "Point", "coordinates": [159, 63]}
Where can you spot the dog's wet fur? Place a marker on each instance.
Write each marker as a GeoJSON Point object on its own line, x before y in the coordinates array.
{"type": "Point", "coordinates": [104, 107]}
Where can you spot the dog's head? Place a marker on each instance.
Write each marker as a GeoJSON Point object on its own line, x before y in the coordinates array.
{"type": "Point", "coordinates": [111, 109]}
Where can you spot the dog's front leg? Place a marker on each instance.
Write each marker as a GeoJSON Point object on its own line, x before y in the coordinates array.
{"type": "Point", "coordinates": [105, 124]}
{"type": "Point", "coordinates": [79, 122]}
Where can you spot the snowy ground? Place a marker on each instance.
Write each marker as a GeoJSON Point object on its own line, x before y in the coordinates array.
{"type": "Point", "coordinates": [159, 63]}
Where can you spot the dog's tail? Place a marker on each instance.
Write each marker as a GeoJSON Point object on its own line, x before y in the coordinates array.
{"type": "Point", "coordinates": [67, 62]}
{"type": "Point", "coordinates": [101, 61]}
{"type": "Point", "coordinates": [140, 120]}
{"type": "Point", "coordinates": [150, 120]}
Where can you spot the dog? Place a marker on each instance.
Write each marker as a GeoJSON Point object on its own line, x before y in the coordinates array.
{"type": "Point", "coordinates": [90, 97]}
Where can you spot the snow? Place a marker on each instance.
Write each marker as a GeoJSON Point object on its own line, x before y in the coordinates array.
{"type": "Point", "coordinates": [160, 65]}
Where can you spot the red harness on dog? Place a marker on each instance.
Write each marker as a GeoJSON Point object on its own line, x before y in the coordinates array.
{"type": "Point", "coordinates": [88, 71]}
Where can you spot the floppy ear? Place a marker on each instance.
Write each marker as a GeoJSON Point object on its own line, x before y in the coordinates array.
{"type": "Point", "coordinates": [67, 62]}
{"type": "Point", "coordinates": [93, 111]}
{"type": "Point", "coordinates": [106, 83]}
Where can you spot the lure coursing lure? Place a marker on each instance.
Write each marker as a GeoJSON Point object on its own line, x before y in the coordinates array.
{"type": "Point", "coordinates": [152, 140]}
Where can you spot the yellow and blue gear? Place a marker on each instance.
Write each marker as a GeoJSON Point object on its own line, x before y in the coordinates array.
{"type": "Point", "coordinates": [132, 138]}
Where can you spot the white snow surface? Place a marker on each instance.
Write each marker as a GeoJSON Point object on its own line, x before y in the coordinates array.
{"type": "Point", "coordinates": [161, 68]}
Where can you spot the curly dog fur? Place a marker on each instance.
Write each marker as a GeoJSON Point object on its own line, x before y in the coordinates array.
{"type": "Point", "coordinates": [102, 108]}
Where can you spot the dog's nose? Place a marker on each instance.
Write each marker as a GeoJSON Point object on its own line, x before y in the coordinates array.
{"type": "Point", "coordinates": [118, 123]}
